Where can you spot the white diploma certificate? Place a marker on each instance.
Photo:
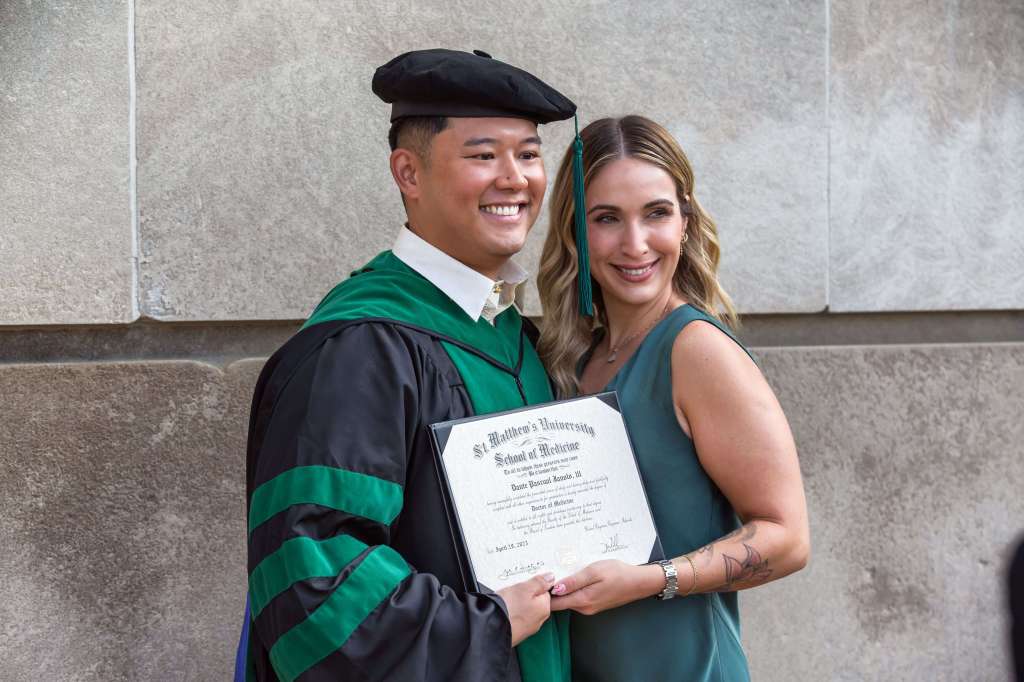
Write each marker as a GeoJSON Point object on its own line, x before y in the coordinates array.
{"type": "Point", "coordinates": [552, 487]}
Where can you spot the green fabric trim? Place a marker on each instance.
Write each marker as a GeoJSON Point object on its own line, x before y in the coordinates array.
{"type": "Point", "coordinates": [348, 491]}
{"type": "Point", "coordinates": [300, 559]}
{"type": "Point", "coordinates": [387, 288]}
{"type": "Point", "coordinates": [545, 656]}
{"type": "Point", "coordinates": [329, 626]}
{"type": "Point", "coordinates": [491, 390]}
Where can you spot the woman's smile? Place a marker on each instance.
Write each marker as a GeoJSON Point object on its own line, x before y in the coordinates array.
{"type": "Point", "coordinates": [634, 231]}
{"type": "Point", "coordinates": [637, 273]}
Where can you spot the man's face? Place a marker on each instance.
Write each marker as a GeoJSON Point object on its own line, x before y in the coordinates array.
{"type": "Point", "coordinates": [481, 190]}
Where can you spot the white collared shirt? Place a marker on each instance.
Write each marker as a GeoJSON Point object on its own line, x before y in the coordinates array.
{"type": "Point", "coordinates": [478, 295]}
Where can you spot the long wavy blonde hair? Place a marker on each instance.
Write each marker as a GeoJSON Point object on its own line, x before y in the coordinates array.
{"type": "Point", "coordinates": [565, 334]}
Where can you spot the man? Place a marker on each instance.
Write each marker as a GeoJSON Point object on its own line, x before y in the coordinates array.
{"type": "Point", "coordinates": [353, 570]}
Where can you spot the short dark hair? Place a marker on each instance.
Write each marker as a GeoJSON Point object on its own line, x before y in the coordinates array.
{"type": "Point", "coordinates": [415, 133]}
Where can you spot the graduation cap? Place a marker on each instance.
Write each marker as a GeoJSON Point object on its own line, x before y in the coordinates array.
{"type": "Point", "coordinates": [459, 84]}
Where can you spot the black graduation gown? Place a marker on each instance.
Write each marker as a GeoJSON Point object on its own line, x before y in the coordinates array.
{"type": "Point", "coordinates": [391, 382]}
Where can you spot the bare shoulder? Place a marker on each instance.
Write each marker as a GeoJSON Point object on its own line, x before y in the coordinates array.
{"type": "Point", "coordinates": [702, 349]}
{"type": "Point", "coordinates": [713, 377]}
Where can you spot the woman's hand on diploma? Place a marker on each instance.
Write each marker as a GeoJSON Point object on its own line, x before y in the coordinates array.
{"type": "Point", "coordinates": [605, 585]}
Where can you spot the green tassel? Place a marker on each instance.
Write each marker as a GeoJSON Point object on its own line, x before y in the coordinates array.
{"type": "Point", "coordinates": [580, 220]}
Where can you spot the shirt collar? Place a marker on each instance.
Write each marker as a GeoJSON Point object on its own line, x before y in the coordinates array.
{"type": "Point", "coordinates": [468, 288]}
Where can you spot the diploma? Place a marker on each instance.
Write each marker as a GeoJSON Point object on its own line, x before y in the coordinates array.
{"type": "Point", "coordinates": [547, 488]}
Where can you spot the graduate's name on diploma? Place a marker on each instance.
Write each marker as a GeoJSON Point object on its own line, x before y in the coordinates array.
{"type": "Point", "coordinates": [554, 478]}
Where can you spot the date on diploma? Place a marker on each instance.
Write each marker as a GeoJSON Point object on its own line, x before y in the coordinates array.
{"type": "Point", "coordinates": [550, 487]}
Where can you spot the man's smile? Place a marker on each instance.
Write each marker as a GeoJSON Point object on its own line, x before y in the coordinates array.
{"type": "Point", "coordinates": [505, 210]}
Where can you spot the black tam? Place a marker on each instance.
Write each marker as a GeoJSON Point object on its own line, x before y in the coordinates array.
{"type": "Point", "coordinates": [463, 84]}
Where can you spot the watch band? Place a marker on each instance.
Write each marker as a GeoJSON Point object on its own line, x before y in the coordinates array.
{"type": "Point", "coordinates": [671, 580]}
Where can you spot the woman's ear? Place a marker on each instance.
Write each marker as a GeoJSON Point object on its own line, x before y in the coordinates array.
{"type": "Point", "coordinates": [406, 169]}
{"type": "Point", "coordinates": [686, 208]}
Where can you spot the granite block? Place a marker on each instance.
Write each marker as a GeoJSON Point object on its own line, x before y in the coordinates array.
{"type": "Point", "coordinates": [65, 206]}
{"type": "Point", "coordinates": [263, 174]}
{"type": "Point", "coordinates": [913, 459]}
{"type": "Point", "coordinates": [122, 518]}
{"type": "Point", "coordinates": [927, 156]}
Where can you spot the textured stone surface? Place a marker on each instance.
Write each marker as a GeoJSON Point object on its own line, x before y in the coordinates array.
{"type": "Point", "coordinates": [121, 516]}
{"type": "Point", "coordinates": [262, 153]}
{"type": "Point", "coordinates": [122, 520]}
{"type": "Point", "coordinates": [65, 217]}
{"type": "Point", "coordinates": [215, 343]}
{"type": "Point", "coordinates": [927, 145]}
{"type": "Point", "coordinates": [913, 460]}
{"type": "Point", "coordinates": [220, 343]}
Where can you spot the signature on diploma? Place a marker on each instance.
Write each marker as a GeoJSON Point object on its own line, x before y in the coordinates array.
{"type": "Point", "coordinates": [612, 544]}
{"type": "Point", "coordinates": [519, 569]}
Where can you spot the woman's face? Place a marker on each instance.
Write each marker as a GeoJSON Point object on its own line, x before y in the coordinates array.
{"type": "Point", "coordinates": [634, 227]}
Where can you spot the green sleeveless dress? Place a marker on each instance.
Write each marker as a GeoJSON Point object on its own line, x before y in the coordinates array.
{"type": "Point", "coordinates": [691, 639]}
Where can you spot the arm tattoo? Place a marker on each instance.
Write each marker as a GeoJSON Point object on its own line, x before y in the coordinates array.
{"type": "Point", "coordinates": [744, 533]}
{"type": "Point", "coordinates": [752, 568]}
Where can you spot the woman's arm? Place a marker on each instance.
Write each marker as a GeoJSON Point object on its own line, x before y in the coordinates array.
{"type": "Point", "coordinates": [744, 444]}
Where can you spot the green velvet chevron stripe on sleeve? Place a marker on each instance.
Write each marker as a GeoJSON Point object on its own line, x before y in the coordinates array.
{"type": "Point", "coordinates": [300, 559]}
{"type": "Point", "coordinates": [329, 626]}
{"type": "Point", "coordinates": [348, 491]}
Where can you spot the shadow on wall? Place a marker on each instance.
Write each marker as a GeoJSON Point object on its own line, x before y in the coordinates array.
{"type": "Point", "coordinates": [1015, 579]}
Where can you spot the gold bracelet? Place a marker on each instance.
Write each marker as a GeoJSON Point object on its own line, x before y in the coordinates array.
{"type": "Point", "coordinates": [694, 569]}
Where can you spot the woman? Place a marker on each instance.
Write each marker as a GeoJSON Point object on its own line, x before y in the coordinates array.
{"type": "Point", "coordinates": [714, 448]}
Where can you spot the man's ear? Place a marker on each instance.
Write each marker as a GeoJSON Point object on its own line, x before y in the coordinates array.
{"type": "Point", "coordinates": [407, 170]}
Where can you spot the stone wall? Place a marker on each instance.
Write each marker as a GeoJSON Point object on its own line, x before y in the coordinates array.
{"type": "Point", "coordinates": [181, 182]}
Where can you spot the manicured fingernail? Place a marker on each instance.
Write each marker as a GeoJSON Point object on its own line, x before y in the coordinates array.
{"type": "Point", "coordinates": [558, 589]}
{"type": "Point", "coordinates": [550, 577]}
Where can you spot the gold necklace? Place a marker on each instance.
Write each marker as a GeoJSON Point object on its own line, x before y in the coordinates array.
{"type": "Point", "coordinates": [613, 354]}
